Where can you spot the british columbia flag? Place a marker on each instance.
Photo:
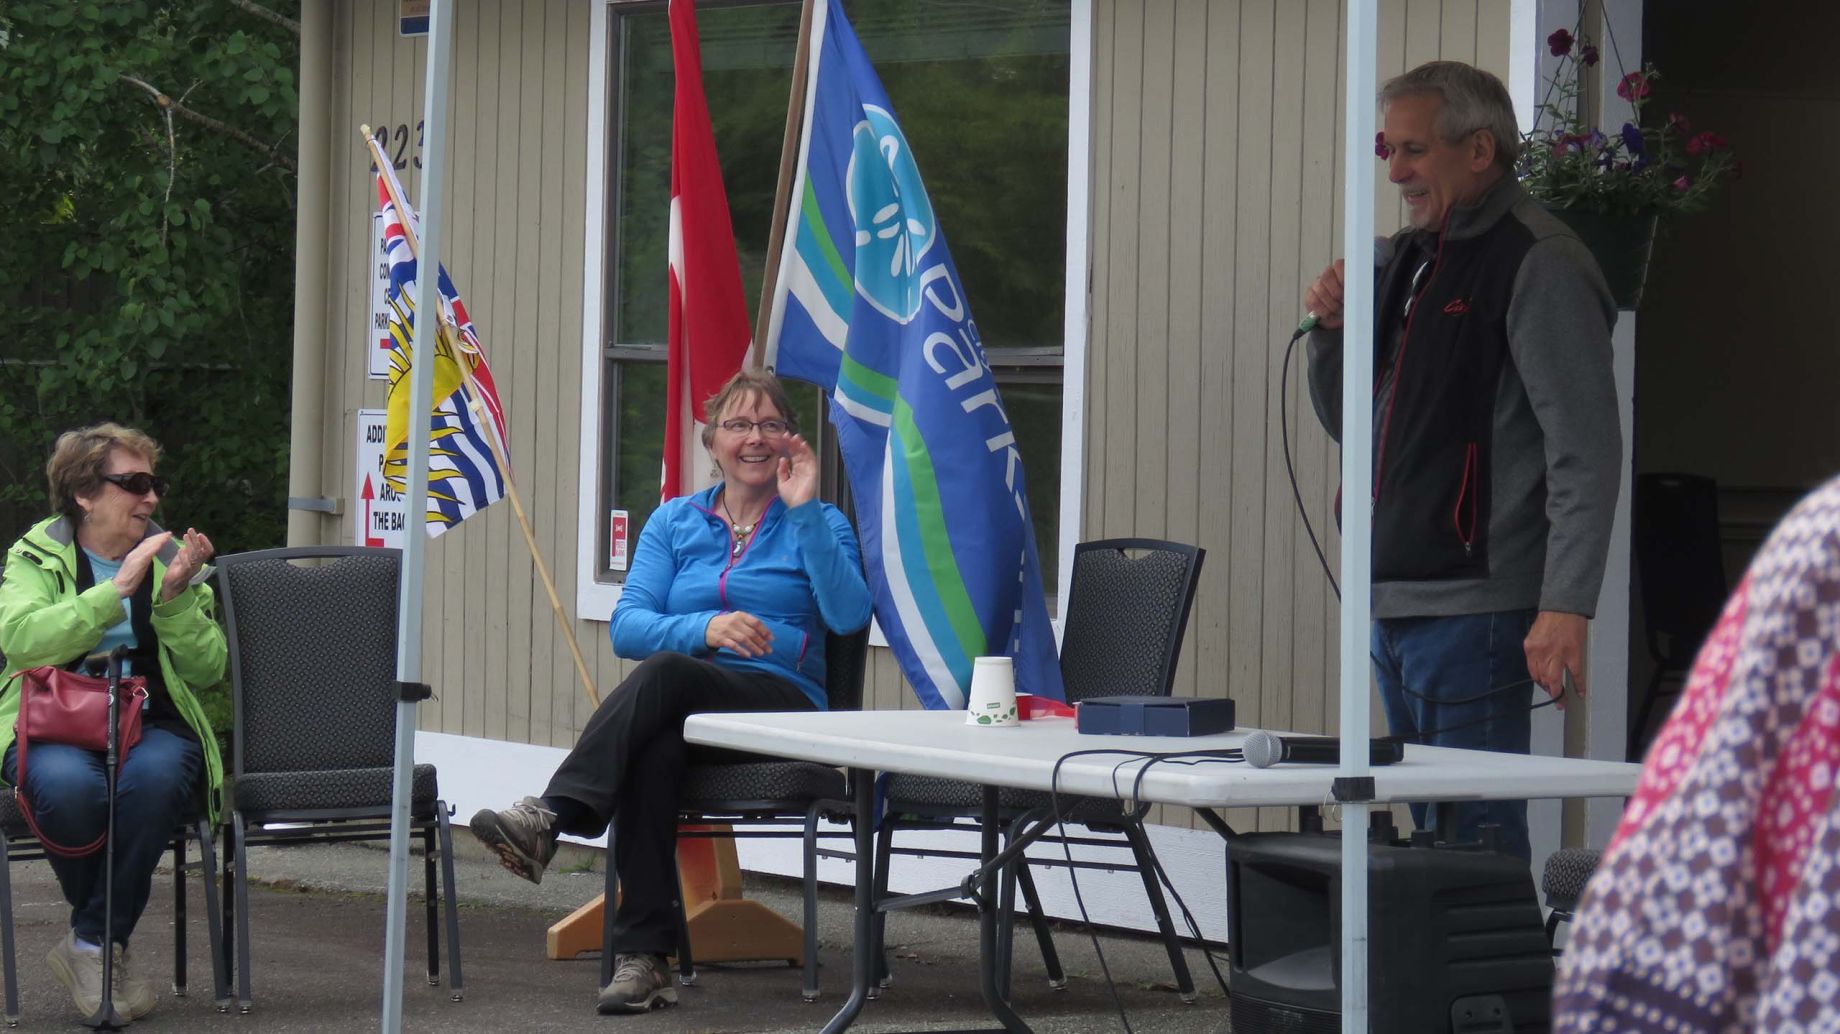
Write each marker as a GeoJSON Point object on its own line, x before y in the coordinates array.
{"type": "Point", "coordinates": [464, 475]}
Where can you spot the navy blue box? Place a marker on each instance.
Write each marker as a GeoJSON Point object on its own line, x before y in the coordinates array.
{"type": "Point", "coordinates": [1153, 716]}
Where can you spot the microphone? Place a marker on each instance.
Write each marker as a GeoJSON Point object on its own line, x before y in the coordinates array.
{"type": "Point", "coordinates": [1263, 750]}
{"type": "Point", "coordinates": [1383, 253]}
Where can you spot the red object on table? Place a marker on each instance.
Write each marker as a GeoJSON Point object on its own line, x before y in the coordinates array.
{"type": "Point", "coordinates": [1028, 706]}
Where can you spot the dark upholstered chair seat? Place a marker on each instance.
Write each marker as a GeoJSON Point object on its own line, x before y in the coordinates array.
{"type": "Point", "coordinates": [1566, 874]}
{"type": "Point", "coordinates": [723, 788]}
{"type": "Point", "coordinates": [934, 792]}
{"type": "Point", "coordinates": [343, 788]}
{"type": "Point", "coordinates": [12, 823]}
{"type": "Point", "coordinates": [776, 784]}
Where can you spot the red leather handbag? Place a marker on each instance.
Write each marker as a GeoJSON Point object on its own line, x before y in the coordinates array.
{"type": "Point", "coordinates": [59, 706]}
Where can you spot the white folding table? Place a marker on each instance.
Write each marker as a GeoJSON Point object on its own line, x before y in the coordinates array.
{"type": "Point", "coordinates": [939, 743]}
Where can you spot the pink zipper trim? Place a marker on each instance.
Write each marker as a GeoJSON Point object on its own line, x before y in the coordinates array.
{"type": "Point", "coordinates": [1467, 491]}
{"type": "Point", "coordinates": [736, 558]}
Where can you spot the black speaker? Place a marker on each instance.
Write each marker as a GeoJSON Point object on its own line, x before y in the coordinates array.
{"type": "Point", "coordinates": [1456, 943]}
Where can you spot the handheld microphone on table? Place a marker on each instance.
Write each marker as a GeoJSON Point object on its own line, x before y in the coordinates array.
{"type": "Point", "coordinates": [1263, 750]}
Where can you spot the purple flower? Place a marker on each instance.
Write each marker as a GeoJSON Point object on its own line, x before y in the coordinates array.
{"type": "Point", "coordinates": [1632, 138]}
{"type": "Point", "coordinates": [1381, 148]}
{"type": "Point", "coordinates": [1588, 54]}
{"type": "Point", "coordinates": [1633, 87]}
{"type": "Point", "coordinates": [1596, 140]}
{"type": "Point", "coordinates": [1560, 43]}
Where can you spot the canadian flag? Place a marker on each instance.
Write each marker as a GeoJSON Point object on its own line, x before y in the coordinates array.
{"type": "Point", "coordinates": [707, 324]}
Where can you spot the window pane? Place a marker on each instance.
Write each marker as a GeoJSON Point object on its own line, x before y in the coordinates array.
{"type": "Point", "coordinates": [642, 178]}
{"type": "Point", "coordinates": [638, 442]}
{"type": "Point", "coordinates": [1035, 413]}
{"type": "Point", "coordinates": [981, 92]}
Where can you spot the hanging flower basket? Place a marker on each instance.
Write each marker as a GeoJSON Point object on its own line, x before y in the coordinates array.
{"type": "Point", "coordinates": [1611, 187]}
{"type": "Point", "coordinates": [1622, 245]}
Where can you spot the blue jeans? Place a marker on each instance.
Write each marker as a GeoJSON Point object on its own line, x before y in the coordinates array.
{"type": "Point", "coordinates": [70, 803]}
{"type": "Point", "coordinates": [1431, 672]}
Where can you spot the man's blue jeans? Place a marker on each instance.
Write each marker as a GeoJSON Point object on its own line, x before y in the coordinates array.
{"type": "Point", "coordinates": [70, 803]}
{"type": "Point", "coordinates": [1460, 681]}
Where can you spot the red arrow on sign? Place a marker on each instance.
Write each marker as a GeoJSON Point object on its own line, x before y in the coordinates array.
{"type": "Point", "coordinates": [367, 495]}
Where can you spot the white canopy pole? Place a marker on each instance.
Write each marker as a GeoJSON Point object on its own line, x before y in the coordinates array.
{"type": "Point", "coordinates": [1357, 497]}
{"type": "Point", "coordinates": [415, 542]}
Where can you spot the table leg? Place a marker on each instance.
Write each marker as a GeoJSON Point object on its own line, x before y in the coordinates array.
{"type": "Point", "coordinates": [988, 920]}
{"type": "Point", "coordinates": [862, 962]}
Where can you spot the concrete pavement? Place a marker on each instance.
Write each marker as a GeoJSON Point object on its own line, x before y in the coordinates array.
{"type": "Point", "coordinates": [318, 932]}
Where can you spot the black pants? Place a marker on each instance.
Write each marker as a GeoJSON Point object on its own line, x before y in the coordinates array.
{"type": "Point", "coordinates": [627, 767]}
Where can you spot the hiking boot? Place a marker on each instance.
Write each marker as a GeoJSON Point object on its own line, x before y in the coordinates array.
{"type": "Point", "coordinates": [79, 971]}
{"type": "Point", "coordinates": [523, 836]}
{"type": "Point", "coordinates": [134, 994]}
{"type": "Point", "coordinates": [641, 983]}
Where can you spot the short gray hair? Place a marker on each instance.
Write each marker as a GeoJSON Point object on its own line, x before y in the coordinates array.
{"type": "Point", "coordinates": [1473, 99]}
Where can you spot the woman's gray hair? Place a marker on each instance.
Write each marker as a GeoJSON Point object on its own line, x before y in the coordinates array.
{"type": "Point", "coordinates": [1473, 99]}
{"type": "Point", "coordinates": [80, 458]}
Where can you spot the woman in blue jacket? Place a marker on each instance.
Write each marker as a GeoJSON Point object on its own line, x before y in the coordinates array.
{"type": "Point", "coordinates": [727, 603]}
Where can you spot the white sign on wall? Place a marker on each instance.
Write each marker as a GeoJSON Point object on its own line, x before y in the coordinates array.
{"type": "Point", "coordinates": [616, 540]}
{"type": "Point", "coordinates": [377, 321]}
{"type": "Point", "coordinates": [378, 509]}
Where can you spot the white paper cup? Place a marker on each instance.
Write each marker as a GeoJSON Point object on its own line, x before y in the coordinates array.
{"type": "Point", "coordinates": [993, 693]}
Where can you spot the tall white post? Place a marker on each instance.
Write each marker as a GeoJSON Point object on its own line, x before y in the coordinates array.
{"type": "Point", "coordinates": [415, 542]}
{"type": "Point", "coordinates": [1357, 496]}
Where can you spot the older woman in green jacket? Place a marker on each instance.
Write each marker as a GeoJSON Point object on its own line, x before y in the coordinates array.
{"type": "Point", "coordinates": [98, 575]}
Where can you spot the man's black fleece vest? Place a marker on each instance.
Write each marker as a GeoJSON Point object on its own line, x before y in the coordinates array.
{"type": "Point", "coordinates": [1432, 456]}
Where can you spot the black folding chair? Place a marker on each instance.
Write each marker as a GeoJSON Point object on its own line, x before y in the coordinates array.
{"type": "Point", "coordinates": [313, 678]}
{"type": "Point", "coordinates": [752, 794]}
{"type": "Point", "coordinates": [17, 844]}
{"type": "Point", "coordinates": [1677, 547]}
{"type": "Point", "coordinates": [1126, 612]}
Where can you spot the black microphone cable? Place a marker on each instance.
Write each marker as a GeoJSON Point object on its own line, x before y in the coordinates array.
{"type": "Point", "coordinates": [1057, 816]}
{"type": "Point", "coordinates": [1290, 469]}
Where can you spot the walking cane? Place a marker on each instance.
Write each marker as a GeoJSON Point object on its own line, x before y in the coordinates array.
{"type": "Point", "coordinates": [106, 1018]}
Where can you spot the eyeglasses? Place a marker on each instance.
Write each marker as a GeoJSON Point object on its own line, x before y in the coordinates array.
{"type": "Point", "coordinates": [768, 428]}
{"type": "Point", "coordinates": [138, 483]}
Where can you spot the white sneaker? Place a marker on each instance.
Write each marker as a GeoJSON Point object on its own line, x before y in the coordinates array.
{"type": "Point", "coordinates": [134, 994]}
{"type": "Point", "coordinates": [79, 971]}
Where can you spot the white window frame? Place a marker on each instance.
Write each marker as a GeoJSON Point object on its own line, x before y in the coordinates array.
{"type": "Point", "coordinates": [594, 600]}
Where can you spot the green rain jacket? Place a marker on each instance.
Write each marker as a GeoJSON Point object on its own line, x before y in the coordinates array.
{"type": "Point", "coordinates": [44, 620]}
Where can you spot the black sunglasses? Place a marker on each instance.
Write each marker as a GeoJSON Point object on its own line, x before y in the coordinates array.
{"type": "Point", "coordinates": [138, 483]}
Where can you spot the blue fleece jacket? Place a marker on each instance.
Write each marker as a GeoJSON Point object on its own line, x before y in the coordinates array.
{"type": "Point", "coordinates": [800, 574]}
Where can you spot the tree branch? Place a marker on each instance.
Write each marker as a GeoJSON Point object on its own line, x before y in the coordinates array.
{"type": "Point", "coordinates": [170, 107]}
{"type": "Point", "coordinates": [267, 15]}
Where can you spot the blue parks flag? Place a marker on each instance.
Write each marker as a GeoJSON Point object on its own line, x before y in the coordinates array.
{"type": "Point", "coordinates": [869, 307]}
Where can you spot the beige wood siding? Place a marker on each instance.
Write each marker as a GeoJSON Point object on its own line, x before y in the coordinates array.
{"type": "Point", "coordinates": [1215, 196]}
{"type": "Point", "coordinates": [1216, 186]}
{"type": "Point", "coordinates": [516, 202]}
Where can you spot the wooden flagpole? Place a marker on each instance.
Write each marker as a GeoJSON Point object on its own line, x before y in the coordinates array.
{"type": "Point", "coordinates": [782, 199]}
{"type": "Point", "coordinates": [491, 437]}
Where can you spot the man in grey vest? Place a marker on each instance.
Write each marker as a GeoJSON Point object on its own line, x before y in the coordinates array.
{"type": "Point", "coordinates": [1497, 446]}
